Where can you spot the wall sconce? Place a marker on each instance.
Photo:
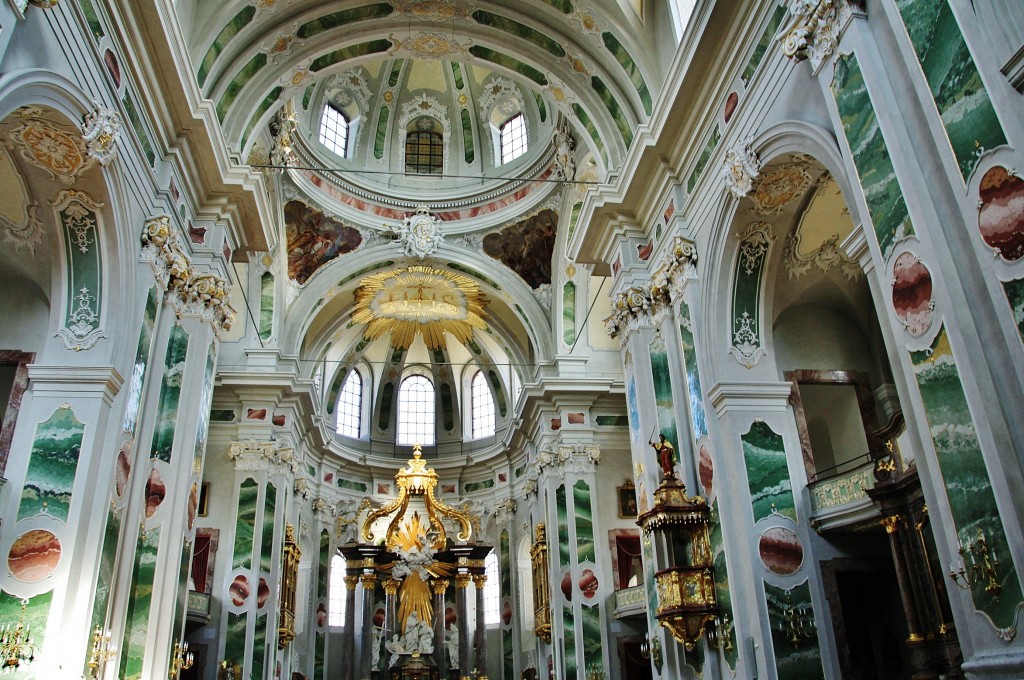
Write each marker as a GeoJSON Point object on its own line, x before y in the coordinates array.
{"type": "Point", "coordinates": [797, 624]}
{"type": "Point", "coordinates": [984, 565]}
{"type": "Point", "coordinates": [686, 590]}
{"type": "Point", "coordinates": [17, 649]}
{"type": "Point", "coordinates": [103, 650]}
{"type": "Point", "coordinates": [181, 660]}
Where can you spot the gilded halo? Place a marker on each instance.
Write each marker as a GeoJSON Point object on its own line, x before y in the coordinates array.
{"type": "Point", "coordinates": [419, 299]}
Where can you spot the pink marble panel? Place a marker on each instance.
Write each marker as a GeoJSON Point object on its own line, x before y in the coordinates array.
{"type": "Point", "coordinates": [34, 556]}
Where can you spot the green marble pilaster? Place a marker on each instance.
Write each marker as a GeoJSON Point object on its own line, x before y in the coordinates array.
{"type": "Point", "coordinates": [771, 491]}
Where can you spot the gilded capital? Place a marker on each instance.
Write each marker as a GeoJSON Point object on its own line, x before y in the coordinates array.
{"type": "Point", "coordinates": [462, 580]}
{"type": "Point", "coordinates": [892, 523]}
{"type": "Point", "coordinates": [479, 580]}
{"type": "Point", "coordinates": [440, 585]}
{"type": "Point", "coordinates": [351, 581]}
{"type": "Point", "coordinates": [391, 586]}
{"type": "Point", "coordinates": [368, 580]}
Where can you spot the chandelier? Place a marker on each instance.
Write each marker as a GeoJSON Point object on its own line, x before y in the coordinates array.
{"type": "Point", "coordinates": [16, 646]}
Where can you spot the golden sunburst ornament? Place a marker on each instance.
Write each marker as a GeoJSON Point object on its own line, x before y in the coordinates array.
{"type": "Point", "coordinates": [419, 299]}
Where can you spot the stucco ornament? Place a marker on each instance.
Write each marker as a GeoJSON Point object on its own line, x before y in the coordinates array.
{"type": "Point", "coordinates": [420, 234]}
{"type": "Point", "coordinates": [813, 32]}
{"type": "Point", "coordinates": [565, 165]}
{"type": "Point", "coordinates": [101, 132]}
{"type": "Point", "coordinates": [741, 168]}
{"type": "Point", "coordinates": [255, 456]}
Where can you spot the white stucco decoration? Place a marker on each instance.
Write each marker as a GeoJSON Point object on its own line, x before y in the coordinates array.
{"type": "Point", "coordinates": [741, 168]}
{"type": "Point", "coordinates": [420, 234]}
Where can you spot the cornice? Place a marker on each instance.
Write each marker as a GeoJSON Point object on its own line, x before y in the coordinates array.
{"type": "Point", "coordinates": [747, 397]}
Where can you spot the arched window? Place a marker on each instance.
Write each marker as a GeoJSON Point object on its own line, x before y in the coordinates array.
{"type": "Point", "coordinates": [492, 591]}
{"type": "Point", "coordinates": [350, 405]}
{"type": "Point", "coordinates": [336, 588]}
{"type": "Point", "coordinates": [482, 404]}
{"type": "Point", "coordinates": [334, 130]}
{"type": "Point", "coordinates": [424, 153]}
{"type": "Point", "coordinates": [513, 138]}
{"type": "Point", "coordinates": [416, 411]}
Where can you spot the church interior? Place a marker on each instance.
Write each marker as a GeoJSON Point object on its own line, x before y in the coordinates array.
{"type": "Point", "coordinates": [366, 305]}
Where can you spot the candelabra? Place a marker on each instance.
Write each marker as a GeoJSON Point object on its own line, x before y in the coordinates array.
{"type": "Point", "coordinates": [984, 565]}
{"type": "Point", "coordinates": [720, 634]}
{"type": "Point", "coordinates": [181, 660]}
{"type": "Point", "coordinates": [103, 650]}
{"type": "Point", "coordinates": [17, 648]}
{"type": "Point", "coordinates": [796, 624]}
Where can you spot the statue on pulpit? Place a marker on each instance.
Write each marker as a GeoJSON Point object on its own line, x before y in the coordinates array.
{"type": "Point", "coordinates": [666, 455]}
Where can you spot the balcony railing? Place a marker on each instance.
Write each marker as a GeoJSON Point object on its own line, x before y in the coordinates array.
{"type": "Point", "coordinates": [839, 495]}
{"type": "Point", "coordinates": [630, 602]}
{"type": "Point", "coordinates": [198, 608]}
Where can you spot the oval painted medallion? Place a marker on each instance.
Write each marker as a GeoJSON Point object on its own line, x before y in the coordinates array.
{"type": "Point", "coordinates": [156, 491]}
{"type": "Point", "coordinates": [706, 470]}
{"type": "Point", "coordinates": [781, 551]}
{"type": "Point", "coordinates": [1001, 212]}
{"type": "Point", "coordinates": [122, 469]}
{"type": "Point", "coordinates": [912, 294]}
{"type": "Point", "coordinates": [239, 590]}
{"type": "Point", "coordinates": [34, 555]}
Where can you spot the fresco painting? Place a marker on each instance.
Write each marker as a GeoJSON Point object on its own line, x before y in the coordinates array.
{"type": "Point", "coordinates": [314, 240]}
{"type": "Point", "coordinates": [526, 247]}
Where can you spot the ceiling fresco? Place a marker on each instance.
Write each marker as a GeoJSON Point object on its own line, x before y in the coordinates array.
{"type": "Point", "coordinates": [314, 240]}
{"type": "Point", "coordinates": [526, 247]}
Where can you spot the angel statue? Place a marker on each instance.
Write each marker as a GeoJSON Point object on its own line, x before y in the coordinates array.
{"type": "Point", "coordinates": [418, 640]}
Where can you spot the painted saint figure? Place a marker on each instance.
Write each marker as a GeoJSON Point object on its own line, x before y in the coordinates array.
{"type": "Point", "coordinates": [666, 454]}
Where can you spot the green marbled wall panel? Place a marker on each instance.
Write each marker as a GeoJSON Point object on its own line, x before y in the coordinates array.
{"type": "Point", "coordinates": [447, 407]}
{"type": "Point", "coordinates": [132, 111]}
{"type": "Point", "coordinates": [563, 527]}
{"type": "Point", "coordinates": [240, 21]}
{"type": "Point", "coordinates": [350, 52]}
{"type": "Point", "coordinates": [50, 478]}
{"type": "Point", "coordinates": [259, 647]}
{"type": "Point", "coordinates": [771, 491]}
{"type": "Point", "coordinates": [266, 306]}
{"type": "Point", "coordinates": [565, 6]}
{"type": "Point", "coordinates": [205, 399]}
{"type": "Point", "coordinates": [245, 524]}
{"type": "Point", "coordinates": [968, 487]}
{"type": "Point", "coordinates": [140, 599]}
{"type": "Point", "coordinates": [1015, 296]}
{"type": "Point", "coordinates": [396, 72]}
{"type": "Point", "coordinates": [612, 104]}
{"type": "Point", "coordinates": [36, 612]}
{"type": "Point", "coordinates": [499, 394]}
{"type": "Point", "coordinates": [722, 591]}
{"type": "Point", "coordinates": [92, 18]}
{"type": "Point", "coordinates": [763, 43]}
{"type": "Point", "coordinates": [323, 571]}
{"type": "Point", "coordinates": [703, 159]}
{"type": "Point", "coordinates": [800, 661]}
{"type": "Point", "coordinates": [746, 294]}
{"type": "Point", "coordinates": [882, 191]}
{"type": "Point", "coordinates": [693, 388]}
{"type": "Point", "coordinates": [307, 95]}
{"type": "Point", "coordinates": [569, 638]}
{"type": "Point", "coordinates": [267, 539]}
{"type": "Point", "coordinates": [584, 523]}
{"type": "Point", "coordinates": [238, 83]}
{"type": "Point", "coordinates": [625, 60]}
{"type": "Point", "coordinates": [505, 564]}
{"type": "Point", "coordinates": [457, 75]}
{"type": "Point", "coordinates": [467, 135]}
{"type": "Point", "coordinates": [542, 108]}
{"type": "Point", "coordinates": [663, 398]}
{"type": "Point", "coordinates": [234, 638]}
{"type": "Point", "coordinates": [569, 313]}
{"type": "Point", "coordinates": [522, 31]}
{"type": "Point", "coordinates": [577, 208]}
{"type": "Point", "coordinates": [108, 558]}
{"type": "Point", "coordinates": [343, 19]}
{"type": "Point", "coordinates": [138, 376]}
{"type": "Point", "coordinates": [651, 592]}
{"type": "Point", "coordinates": [511, 63]}
{"type": "Point", "coordinates": [956, 86]}
{"type": "Point", "coordinates": [588, 125]}
{"type": "Point", "coordinates": [170, 393]}
{"type": "Point", "coordinates": [264, 106]}
{"type": "Point", "coordinates": [181, 590]}
{"type": "Point", "coordinates": [351, 485]}
{"type": "Point", "coordinates": [590, 623]}
{"type": "Point", "coordinates": [507, 654]}
{"type": "Point", "coordinates": [473, 487]}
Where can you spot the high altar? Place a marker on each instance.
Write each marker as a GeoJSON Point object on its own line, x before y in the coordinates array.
{"type": "Point", "coordinates": [407, 552]}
